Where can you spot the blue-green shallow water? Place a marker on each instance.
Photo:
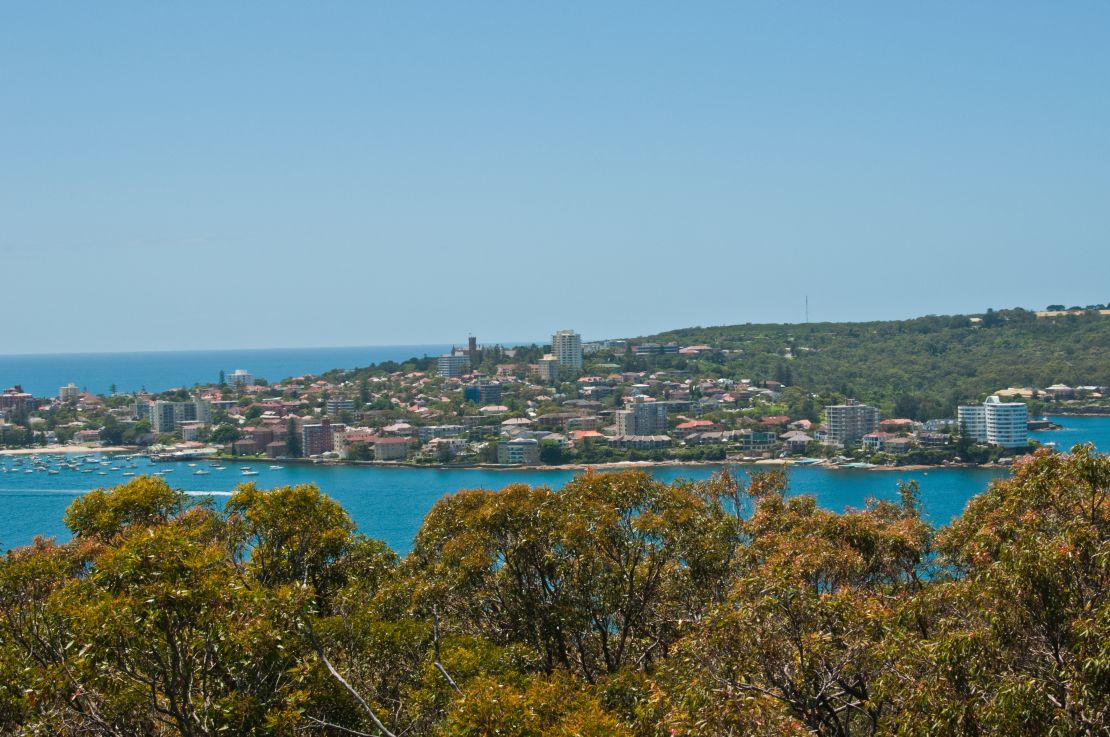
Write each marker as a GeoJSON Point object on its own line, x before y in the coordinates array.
{"type": "Point", "coordinates": [390, 503]}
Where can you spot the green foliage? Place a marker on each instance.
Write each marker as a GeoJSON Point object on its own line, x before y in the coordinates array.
{"type": "Point", "coordinates": [920, 368]}
{"type": "Point", "coordinates": [360, 452]}
{"type": "Point", "coordinates": [144, 501]}
{"type": "Point", "coordinates": [294, 534]}
{"type": "Point", "coordinates": [617, 606]}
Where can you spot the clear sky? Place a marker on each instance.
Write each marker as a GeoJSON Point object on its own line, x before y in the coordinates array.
{"type": "Point", "coordinates": [210, 175]}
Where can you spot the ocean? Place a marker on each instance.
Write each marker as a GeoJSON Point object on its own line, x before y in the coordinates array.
{"type": "Point", "coordinates": [390, 503]}
{"type": "Point", "coordinates": [158, 371]}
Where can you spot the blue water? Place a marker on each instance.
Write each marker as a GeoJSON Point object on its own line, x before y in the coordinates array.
{"type": "Point", "coordinates": [158, 371]}
{"type": "Point", "coordinates": [390, 503]}
{"type": "Point", "coordinates": [1078, 430]}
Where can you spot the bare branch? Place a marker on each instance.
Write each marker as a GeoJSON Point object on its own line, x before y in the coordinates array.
{"type": "Point", "coordinates": [337, 676]}
{"type": "Point", "coordinates": [435, 647]}
{"type": "Point", "coordinates": [329, 725]}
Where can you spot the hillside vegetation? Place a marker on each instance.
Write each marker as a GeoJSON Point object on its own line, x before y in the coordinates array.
{"type": "Point", "coordinates": [928, 364]}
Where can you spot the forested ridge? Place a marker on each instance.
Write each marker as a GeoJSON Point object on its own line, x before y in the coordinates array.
{"type": "Point", "coordinates": [616, 606]}
{"type": "Point", "coordinates": [939, 360]}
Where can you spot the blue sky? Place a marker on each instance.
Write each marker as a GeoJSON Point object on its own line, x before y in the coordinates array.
{"type": "Point", "coordinates": [213, 175]}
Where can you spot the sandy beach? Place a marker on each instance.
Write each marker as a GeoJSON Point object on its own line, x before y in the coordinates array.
{"type": "Point", "coordinates": [57, 449]}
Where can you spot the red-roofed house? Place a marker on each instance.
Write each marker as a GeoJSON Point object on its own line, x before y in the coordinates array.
{"type": "Point", "coordinates": [692, 426]}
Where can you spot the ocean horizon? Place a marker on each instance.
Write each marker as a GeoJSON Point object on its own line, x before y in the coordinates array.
{"type": "Point", "coordinates": [43, 373]}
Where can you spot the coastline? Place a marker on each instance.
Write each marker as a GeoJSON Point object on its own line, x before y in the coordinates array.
{"type": "Point", "coordinates": [610, 466]}
{"type": "Point", "coordinates": [67, 450]}
{"type": "Point", "coordinates": [613, 465]}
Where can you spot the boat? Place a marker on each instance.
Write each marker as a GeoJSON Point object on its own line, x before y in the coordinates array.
{"type": "Point", "coordinates": [277, 468]}
{"type": "Point", "coordinates": [200, 472]}
{"type": "Point", "coordinates": [250, 473]}
{"type": "Point", "coordinates": [128, 473]}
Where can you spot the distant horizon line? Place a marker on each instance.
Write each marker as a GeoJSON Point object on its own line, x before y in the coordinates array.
{"type": "Point", "coordinates": [510, 344]}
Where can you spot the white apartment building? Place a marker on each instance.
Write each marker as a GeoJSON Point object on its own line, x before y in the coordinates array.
{"type": "Point", "coordinates": [566, 346]}
{"type": "Point", "coordinates": [240, 377]}
{"type": "Point", "coordinates": [69, 391]}
{"type": "Point", "coordinates": [972, 421]}
{"type": "Point", "coordinates": [1005, 424]}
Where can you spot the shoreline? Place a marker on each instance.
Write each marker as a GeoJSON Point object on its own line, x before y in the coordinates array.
{"type": "Point", "coordinates": [610, 466]}
{"type": "Point", "coordinates": [1079, 414]}
{"type": "Point", "coordinates": [67, 450]}
{"type": "Point", "coordinates": [577, 467]}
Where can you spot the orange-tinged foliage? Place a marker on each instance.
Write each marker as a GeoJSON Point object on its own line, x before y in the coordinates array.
{"type": "Point", "coordinates": [615, 606]}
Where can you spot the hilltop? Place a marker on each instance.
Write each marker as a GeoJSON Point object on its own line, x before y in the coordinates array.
{"type": "Point", "coordinates": [918, 367]}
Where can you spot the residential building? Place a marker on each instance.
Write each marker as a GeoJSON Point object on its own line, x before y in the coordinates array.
{"type": "Point", "coordinates": [846, 424]}
{"type": "Point", "coordinates": [756, 440]}
{"type": "Point", "coordinates": [647, 349]}
{"type": "Point", "coordinates": [68, 392]}
{"type": "Point", "coordinates": [431, 432]}
{"type": "Point", "coordinates": [190, 430]}
{"type": "Point", "coordinates": [640, 442]}
{"type": "Point", "coordinates": [548, 369]}
{"type": "Point", "coordinates": [334, 407]}
{"type": "Point", "coordinates": [875, 441]}
{"type": "Point", "coordinates": [277, 449]}
{"type": "Point", "coordinates": [483, 392]}
{"type": "Point", "coordinates": [82, 437]}
{"type": "Point", "coordinates": [168, 416]}
{"type": "Point", "coordinates": [449, 447]}
{"type": "Point", "coordinates": [317, 438]}
{"type": "Point", "coordinates": [566, 346]}
{"type": "Point", "coordinates": [1005, 424]}
{"type": "Point", "coordinates": [452, 365]}
{"type": "Point", "coordinates": [642, 417]}
{"type": "Point", "coordinates": [240, 377]}
{"type": "Point", "coordinates": [972, 419]}
{"type": "Point", "coordinates": [15, 402]}
{"type": "Point", "coordinates": [391, 449]}
{"type": "Point", "coordinates": [517, 451]}
{"type": "Point", "coordinates": [932, 439]}
{"type": "Point", "coordinates": [1061, 391]}
{"type": "Point", "coordinates": [795, 441]}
